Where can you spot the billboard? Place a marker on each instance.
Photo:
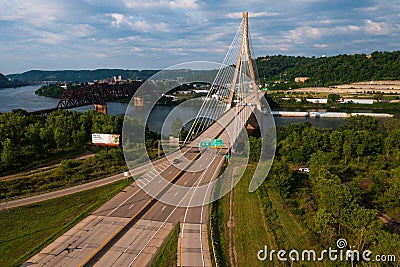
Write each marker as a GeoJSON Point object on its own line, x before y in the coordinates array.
{"type": "Point", "coordinates": [105, 139]}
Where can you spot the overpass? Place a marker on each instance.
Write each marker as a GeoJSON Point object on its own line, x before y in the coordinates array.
{"type": "Point", "coordinates": [130, 228]}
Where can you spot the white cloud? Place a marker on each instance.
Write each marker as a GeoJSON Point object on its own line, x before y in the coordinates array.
{"type": "Point", "coordinates": [304, 33]}
{"type": "Point", "coordinates": [35, 12]}
{"type": "Point", "coordinates": [376, 28]}
{"type": "Point", "coordinates": [321, 45]}
{"type": "Point", "coordinates": [238, 15]}
{"type": "Point", "coordinates": [51, 38]}
{"type": "Point", "coordinates": [136, 49]}
{"type": "Point", "coordinates": [80, 30]}
{"type": "Point", "coordinates": [182, 4]}
{"type": "Point", "coordinates": [137, 25]}
{"type": "Point", "coordinates": [70, 32]}
{"type": "Point", "coordinates": [186, 4]}
{"type": "Point", "coordinates": [301, 34]}
{"type": "Point", "coordinates": [118, 19]}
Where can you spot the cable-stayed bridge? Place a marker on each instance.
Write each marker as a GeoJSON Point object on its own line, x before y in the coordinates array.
{"type": "Point", "coordinates": [129, 229]}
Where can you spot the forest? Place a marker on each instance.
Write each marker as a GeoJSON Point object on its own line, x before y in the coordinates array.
{"type": "Point", "coordinates": [5, 83]}
{"type": "Point", "coordinates": [27, 138]}
{"type": "Point", "coordinates": [328, 71]}
{"type": "Point", "coordinates": [354, 178]}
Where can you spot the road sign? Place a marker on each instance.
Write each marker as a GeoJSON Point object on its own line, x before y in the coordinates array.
{"type": "Point", "coordinates": [217, 143]}
{"type": "Point", "coordinates": [205, 144]}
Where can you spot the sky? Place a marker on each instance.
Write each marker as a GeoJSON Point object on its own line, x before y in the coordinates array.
{"type": "Point", "coordinates": [155, 34]}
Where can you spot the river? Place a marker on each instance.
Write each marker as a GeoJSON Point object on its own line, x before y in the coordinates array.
{"type": "Point", "coordinates": [25, 98]}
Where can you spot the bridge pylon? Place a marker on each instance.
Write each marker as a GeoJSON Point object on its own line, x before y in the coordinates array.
{"type": "Point", "coordinates": [244, 56]}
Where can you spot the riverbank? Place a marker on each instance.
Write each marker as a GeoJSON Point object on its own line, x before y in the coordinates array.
{"type": "Point", "coordinates": [15, 86]}
{"type": "Point", "coordinates": [316, 114]}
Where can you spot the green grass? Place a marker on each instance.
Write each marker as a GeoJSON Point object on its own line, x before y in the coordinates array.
{"type": "Point", "coordinates": [69, 173]}
{"type": "Point", "coordinates": [220, 217]}
{"type": "Point", "coordinates": [249, 232]}
{"type": "Point", "coordinates": [167, 255]}
{"type": "Point", "coordinates": [26, 230]}
{"type": "Point", "coordinates": [53, 157]}
{"type": "Point", "coordinates": [296, 236]}
{"type": "Point", "coordinates": [279, 228]}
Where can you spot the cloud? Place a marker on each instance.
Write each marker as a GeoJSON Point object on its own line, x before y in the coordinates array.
{"type": "Point", "coordinates": [118, 19]}
{"type": "Point", "coordinates": [35, 12]}
{"type": "Point", "coordinates": [321, 45]}
{"type": "Point", "coordinates": [161, 32]}
{"type": "Point", "coordinates": [51, 38]}
{"type": "Point", "coordinates": [376, 28]}
{"type": "Point", "coordinates": [180, 4]}
{"type": "Point", "coordinates": [308, 33]}
{"type": "Point", "coordinates": [238, 15]}
{"type": "Point", "coordinates": [137, 25]}
{"type": "Point", "coordinates": [80, 30]}
{"type": "Point", "coordinates": [301, 34]}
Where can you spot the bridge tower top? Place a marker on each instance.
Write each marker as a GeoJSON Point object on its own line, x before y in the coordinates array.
{"type": "Point", "coordinates": [244, 63]}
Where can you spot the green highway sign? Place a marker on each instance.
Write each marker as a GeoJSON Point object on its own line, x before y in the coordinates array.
{"type": "Point", "coordinates": [217, 143]}
{"type": "Point", "coordinates": [205, 144]}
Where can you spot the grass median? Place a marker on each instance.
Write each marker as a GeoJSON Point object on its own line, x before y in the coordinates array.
{"type": "Point", "coordinates": [26, 230]}
{"type": "Point", "coordinates": [167, 255]}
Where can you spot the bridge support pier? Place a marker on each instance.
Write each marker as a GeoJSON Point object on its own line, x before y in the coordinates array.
{"type": "Point", "coordinates": [252, 127]}
{"type": "Point", "coordinates": [102, 108]}
{"type": "Point", "coordinates": [138, 101]}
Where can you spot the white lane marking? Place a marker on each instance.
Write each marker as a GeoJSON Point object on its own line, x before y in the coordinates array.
{"type": "Point", "coordinates": [150, 173]}
{"type": "Point", "coordinates": [152, 237]}
{"type": "Point", "coordinates": [121, 204]}
{"type": "Point", "coordinates": [163, 208]}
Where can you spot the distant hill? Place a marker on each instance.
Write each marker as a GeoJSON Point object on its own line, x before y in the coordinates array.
{"type": "Point", "coordinates": [322, 71]}
{"type": "Point", "coordinates": [5, 83]}
{"type": "Point", "coordinates": [3, 80]}
{"type": "Point", "coordinates": [326, 71]}
{"type": "Point", "coordinates": [80, 75]}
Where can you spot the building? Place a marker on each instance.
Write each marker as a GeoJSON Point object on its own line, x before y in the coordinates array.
{"type": "Point", "coordinates": [301, 79]}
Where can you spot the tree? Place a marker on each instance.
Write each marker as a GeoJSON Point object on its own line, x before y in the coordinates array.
{"type": "Point", "coordinates": [361, 122]}
{"type": "Point", "coordinates": [8, 153]}
{"type": "Point", "coordinates": [282, 178]}
{"type": "Point", "coordinates": [336, 141]}
{"type": "Point", "coordinates": [347, 151]}
{"type": "Point", "coordinates": [333, 98]}
{"type": "Point", "coordinates": [378, 96]}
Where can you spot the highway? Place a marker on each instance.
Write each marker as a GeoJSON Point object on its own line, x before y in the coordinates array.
{"type": "Point", "coordinates": [79, 188]}
{"type": "Point", "coordinates": [129, 229]}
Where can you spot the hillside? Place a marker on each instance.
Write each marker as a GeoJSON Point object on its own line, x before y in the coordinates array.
{"type": "Point", "coordinates": [3, 80]}
{"type": "Point", "coordinates": [323, 71]}
{"type": "Point", "coordinates": [326, 71]}
{"type": "Point", "coordinates": [80, 75]}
